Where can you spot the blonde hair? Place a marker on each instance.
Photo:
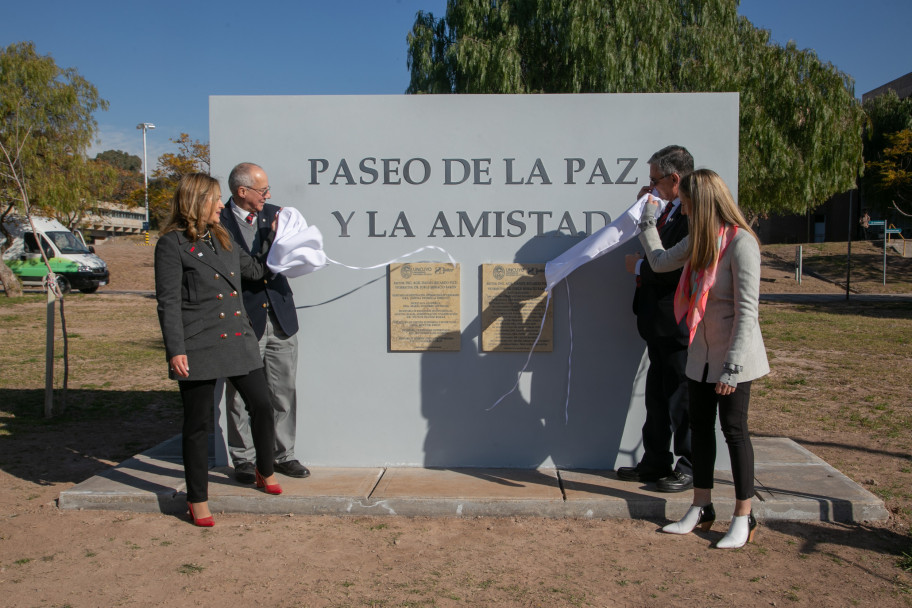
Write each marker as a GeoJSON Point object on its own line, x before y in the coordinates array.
{"type": "Point", "coordinates": [711, 206]}
{"type": "Point", "coordinates": [191, 208]}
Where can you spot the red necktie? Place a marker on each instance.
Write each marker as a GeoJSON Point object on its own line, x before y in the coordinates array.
{"type": "Point", "coordinates": [662, 218]}
{"type": "Point", "coordinates": [251, 217]}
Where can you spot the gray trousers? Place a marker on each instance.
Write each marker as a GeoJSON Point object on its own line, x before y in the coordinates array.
{"type": "Point", "coordinates": [280, 359]}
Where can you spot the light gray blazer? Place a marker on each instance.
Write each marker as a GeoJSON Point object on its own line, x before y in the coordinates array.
{"type": "Point", "coordinates": [730, 329]}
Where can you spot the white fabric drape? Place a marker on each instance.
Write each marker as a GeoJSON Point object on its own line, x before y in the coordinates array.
{"type": "Point", "coordinates": [298, 248]}
{"type": "Point", "coordinates": [598, 243]}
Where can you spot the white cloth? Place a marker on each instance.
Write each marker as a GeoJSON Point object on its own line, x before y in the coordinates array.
{"type": "Point", "coordinates": [599, 243]}
{"type": "Point", "coordinates": [298, 248]}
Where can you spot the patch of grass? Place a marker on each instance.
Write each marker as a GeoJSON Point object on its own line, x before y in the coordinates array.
{"type": "Point", "coordinates": [9, 303]}
{"type": "Point", "coordinates": [833, 371]}
{"type": "Point", "coordinates": [125, 337]}
{"type": "Point", "coordinates": [905, 561]}
{"type": "Point", "coordinates": [190, 569]}
{"type": "Point", "coordinates": [22, 561]}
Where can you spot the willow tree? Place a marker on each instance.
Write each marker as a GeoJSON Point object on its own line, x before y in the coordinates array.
{"type": "Point", "coordinates": [46, 126]}
{"type": "Point", "coordinates": [800, 125]}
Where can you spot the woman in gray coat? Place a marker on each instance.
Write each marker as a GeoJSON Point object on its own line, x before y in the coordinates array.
{"type": "Point", "coordinates": [719, 296]}
{"type": "Point", "coordinates": [207, 333]}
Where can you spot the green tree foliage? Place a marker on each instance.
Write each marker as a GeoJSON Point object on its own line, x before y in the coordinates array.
{"type": "Point", "coordinates": [91, 181]}
{"type": "Point", "coordinates": [192, 157]}
{"type": "Point", "coordinates": [887, 178]}
{"type": "Point", "coordinates": [121, 160]}
{"type": "Point", "coordinates": [892, 174]}
{"type": "Point", "coordinates": [118, 178]}
{"type": "Point", "coordinates": [46, 124]}
{"type": "Point", "coordinates": [800, 131]}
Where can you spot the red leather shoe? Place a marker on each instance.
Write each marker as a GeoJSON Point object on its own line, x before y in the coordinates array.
{"type": "Point", "coordinates": [203, 522]}
{"type": "Point", "coordinates": [268, 488]}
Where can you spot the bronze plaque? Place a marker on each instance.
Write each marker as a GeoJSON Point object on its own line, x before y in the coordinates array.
{"type": "Point", "coordinates": [513, 301]}
{"type": "Point", "coordinates": [424, 307]}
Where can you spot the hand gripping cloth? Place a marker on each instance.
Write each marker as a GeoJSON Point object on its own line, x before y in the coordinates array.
{"type": "Point", "coordinates": [298, 248]}
{"type": "Point", "coordinates": [597, 244]}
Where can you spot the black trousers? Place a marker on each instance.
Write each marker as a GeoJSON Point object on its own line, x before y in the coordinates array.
{"type": "Point", "coordinates": [667, 414]}
{"type": "Point", "coordinates": [198, 397]}
{"type": "Point", "coordinates": [733, 420]}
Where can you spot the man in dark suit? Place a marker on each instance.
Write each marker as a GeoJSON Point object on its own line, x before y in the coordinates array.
{"type": "Point", "coordinates": [270, 306]}
{"type": "Point", "coordinates": [666, 340]}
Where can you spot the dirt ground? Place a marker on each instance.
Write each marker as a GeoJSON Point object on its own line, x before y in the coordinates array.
{"type": "Point", "coordinates": [50, 557]}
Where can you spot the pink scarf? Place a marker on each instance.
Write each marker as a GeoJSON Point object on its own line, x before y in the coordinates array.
{"type": "Point", "coordinates": [693, 288]}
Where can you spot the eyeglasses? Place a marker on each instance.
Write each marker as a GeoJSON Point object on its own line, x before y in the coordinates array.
{"type": "Point", "coordinates": [261, 191]}
{"type": "Point", "coordinates": [655, 182]}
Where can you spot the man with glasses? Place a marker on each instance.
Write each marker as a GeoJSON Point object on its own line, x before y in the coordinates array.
{"type": "Point", "coordinates": [271, 308]}
{"type": "Point", "coordinates": [666, 339]}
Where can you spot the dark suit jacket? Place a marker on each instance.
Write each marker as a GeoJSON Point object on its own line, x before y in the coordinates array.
{"type": "Point", "coordinates": [653, 301]}
{"type": "Point", "coordinates": [200, 309]}
{"type": "Point", "coordinates": [273, 290]}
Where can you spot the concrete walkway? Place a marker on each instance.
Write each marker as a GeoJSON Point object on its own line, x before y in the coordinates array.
{"type": "Point", "coordinates": [791, 482]}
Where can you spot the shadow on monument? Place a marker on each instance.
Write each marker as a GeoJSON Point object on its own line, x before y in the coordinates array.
{"type": "Point", "coordinates": [536, 425]}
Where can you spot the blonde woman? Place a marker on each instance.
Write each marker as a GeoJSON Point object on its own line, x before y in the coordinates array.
{"type": "Point", "coordinates": [719, 296]}
{"type": "Point", "coordinates": [206, 332]}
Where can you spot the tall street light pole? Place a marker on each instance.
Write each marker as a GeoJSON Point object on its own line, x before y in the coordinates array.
{"type": "Point", "coordinates": [145, 126]}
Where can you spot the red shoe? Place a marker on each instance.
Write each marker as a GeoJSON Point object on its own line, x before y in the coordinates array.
{"type": "Point", "coordinates": [269, 488]}
{"type": "Point", "coordinates": [204, 522]}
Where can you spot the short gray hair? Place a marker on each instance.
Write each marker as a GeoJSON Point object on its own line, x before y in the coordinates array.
{"type": "Point", "coordinates": [240, 176]}
{"type": "Point", "coordinates": [673, 159]}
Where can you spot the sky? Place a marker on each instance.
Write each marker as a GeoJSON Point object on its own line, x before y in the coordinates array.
{"type": "Point", "coordinates": [159, 62]}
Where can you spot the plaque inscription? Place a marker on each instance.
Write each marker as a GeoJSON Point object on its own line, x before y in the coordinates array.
{"type": "Point", "coordinates": [512, 304]}
{"type": "Point", "coordinates": [424, 307]}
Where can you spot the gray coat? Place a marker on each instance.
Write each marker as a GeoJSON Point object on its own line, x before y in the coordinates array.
{"type": "Point", "coordinates": [200, 309]}
{"type": "Point", "coordinates": [730, 329]}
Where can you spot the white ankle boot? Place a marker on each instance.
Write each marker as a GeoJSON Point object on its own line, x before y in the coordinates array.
{"type": "Point", "coordinates": [740, 531]}
{"type": "Point", "coordinates": [695, 516]}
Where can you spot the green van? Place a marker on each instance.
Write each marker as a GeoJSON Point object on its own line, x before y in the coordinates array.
{"type": "Point", "coordinates": [74, 263]}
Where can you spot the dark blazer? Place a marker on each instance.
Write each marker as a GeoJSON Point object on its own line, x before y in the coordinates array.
{"type": "Point", "coordinates": [653, 301]}
{"type": "Point", "coordinates": [200, 309]}
{"type": "Point", "coordinates": [272, 289]}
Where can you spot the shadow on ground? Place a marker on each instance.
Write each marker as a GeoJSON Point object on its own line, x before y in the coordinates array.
{"type": "Point", "coordinates": [97, 430]}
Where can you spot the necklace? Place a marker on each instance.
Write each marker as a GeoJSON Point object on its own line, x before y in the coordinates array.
{"type": "Point", "coordinates": [207, 238]}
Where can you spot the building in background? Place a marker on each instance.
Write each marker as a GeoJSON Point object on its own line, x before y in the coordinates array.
{"type": "Point", "coordinates": [112, 219]}
{"type": "Point", "coordinates": [902, 86]}
{"type": "Point", "coordinates": [830, 221]}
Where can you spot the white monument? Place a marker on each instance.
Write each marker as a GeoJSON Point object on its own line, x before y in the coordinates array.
{"type": "Point", "coordinates": [491, 179]}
